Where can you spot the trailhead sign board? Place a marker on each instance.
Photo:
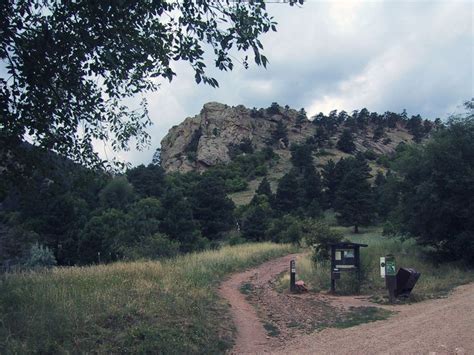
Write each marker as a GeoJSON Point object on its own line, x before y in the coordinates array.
{"type": "Point", "coordinates": [345, 256]}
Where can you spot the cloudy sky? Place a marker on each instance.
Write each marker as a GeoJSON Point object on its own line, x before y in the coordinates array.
{"type": "Point", "coordinates": [344, 55]}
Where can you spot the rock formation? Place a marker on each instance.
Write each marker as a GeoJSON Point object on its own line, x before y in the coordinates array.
{"type": "Point", "coordinates": [207, 138]}
{"type": "Point", "coordinates": [204, 140]}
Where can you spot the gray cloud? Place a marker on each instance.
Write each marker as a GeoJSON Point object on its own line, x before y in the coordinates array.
{"type": "Point", "coordinates": [384, 55]}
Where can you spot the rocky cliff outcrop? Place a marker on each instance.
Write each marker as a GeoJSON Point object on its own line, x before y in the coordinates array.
{"type": "Point", "coordinates": [207, 139]}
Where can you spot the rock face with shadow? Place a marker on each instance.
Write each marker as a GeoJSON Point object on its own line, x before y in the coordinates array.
{"type": "Point", "coordinates": [210, 137]}
{"type": "Point", "coordinates": [207, 138]}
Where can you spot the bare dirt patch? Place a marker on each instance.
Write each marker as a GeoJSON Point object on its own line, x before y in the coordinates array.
{"type": "Point", "coordinates": [266, 319]}
{"type": "Point", "coordinates": [269, 321]}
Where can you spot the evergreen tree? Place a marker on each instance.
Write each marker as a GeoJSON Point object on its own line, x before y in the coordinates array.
{"type": "Point", "coordinates": [321, 137]}
{"type": "Point", "coordinates": [178, 221]}
{"type": "Point", "coordinates": [147, 181]}
{"type": "Point", "coordinates": [255, 223]}
{"type": "Point", "coordinates": [346, 142]}
{"type": "Point", "coordinates": [378, 133]}
{"type": "Point", "coordinates": [274, 109]}
{"type": "Point", "coordinates": [287, 198]}
{"type": "Point", "coordinates": [330, 182]}
{"type": "Point", "coordinates": [301, 157]}
{"type": "Point", "coordinates": [354, 203]}
{"type": "Point", "coordinates": [264, 188]}
{"type": "Point", "coordinates": [311, 184]}
{"type": "Point", "coordinates": [118, 193]}
{"type": "Point", "coordinates": [280, 133]}
{"type": "Point", "coordinates": [437, 194]}
{"type": "Point", "coordinates": [301, 118]}
{"type": "Point", "coordinates": [386, 194]}
{"type": "Point", "coordinates": [211, 207]}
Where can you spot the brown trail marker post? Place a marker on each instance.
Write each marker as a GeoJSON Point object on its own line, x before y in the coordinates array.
{"type": "Point", "coordinates": [293, 275]}
{"type": "Point", "coordinates": [390, 276]}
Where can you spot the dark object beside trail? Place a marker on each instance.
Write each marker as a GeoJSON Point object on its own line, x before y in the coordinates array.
{"type": "Point", "coordinates": [406, 280]}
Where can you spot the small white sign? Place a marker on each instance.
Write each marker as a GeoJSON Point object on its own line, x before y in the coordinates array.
{"type": "Point", "coordinates": [382, 267]}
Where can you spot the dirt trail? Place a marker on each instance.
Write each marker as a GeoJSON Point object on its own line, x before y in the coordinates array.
{"type": "Point", "coordinates": [251, 335]}
{"type": "Point", "coordinates": [442, 326]}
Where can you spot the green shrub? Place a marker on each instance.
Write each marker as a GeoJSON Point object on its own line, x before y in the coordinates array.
{"type": "Point", "coordinates": [319, 236]}
{"type": "Point", "coordinates": [370, 155]}
{"type": "Point", "coordinates": [235, 238]}
{"type": "Point", "coordinates": [152, 247]}
{"type": "Point", "coordinates": [235, 185]}
{"type": "Point", "coordinates": [384, 161]}
{"type": "Point", "coordinates": [40, 257]}
{"type": "Point", "coordinates": [287, 229]}
{"type": "Point", "coordinates": [261, 170]}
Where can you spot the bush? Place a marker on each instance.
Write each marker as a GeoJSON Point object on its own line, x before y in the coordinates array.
{"type": "Point", "coordinates": [152, 247]}
{"type": "Point", "coordinates": [261, 170]}
{"type": "Point", "coordinates": [287, 229]}
{"type": "Point", "coordinates": [319, 236]}
{"type": "Point", "coordinates": [40, 257]}
{"type": "Point", "coordinates": [118, 193]}
{"type": "Point", "coordinates": [235, 238]}
{"type": "Point", "coordinates": [370, 155]}
{"type": "Point", "coordinates": [235, 185]}
{"type": "Point", "coordinates": [384, 161]}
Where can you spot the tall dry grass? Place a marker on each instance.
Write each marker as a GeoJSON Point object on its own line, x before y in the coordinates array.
{"type": "Point", "coordinates": [139, 307]}
{"type": "Point", "coordinates": [435, 280]}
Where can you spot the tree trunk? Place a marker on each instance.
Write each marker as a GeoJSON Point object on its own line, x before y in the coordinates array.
{"type": "Point", "coordinates": [356, 229]}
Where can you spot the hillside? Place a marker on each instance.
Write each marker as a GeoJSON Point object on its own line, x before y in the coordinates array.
{"type": "Point", "coordinates": [220, 132]}
{"type": "Point", "coordinates": [207, 138]}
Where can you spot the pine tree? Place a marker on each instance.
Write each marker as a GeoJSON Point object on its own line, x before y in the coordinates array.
{"type": "Point", "coordinates": [264, 188]}
{"type": "Point", "coordinates": [255, 223]}
{"type": "Point", "coordinates": [280, 133]}
{"type": "Point", "coordinates": [287, 197]}
{"type": "Point", "coordinates": [354, 201]}
{"type": "Point", "coordinates": [301, 157]}
{"type": "Point", "coordinates": [346, 142]}
{"type": "Point", "coordinates": [211, 207]}
{"type": "Point", "coordinates": [178, 222]}
{"type": "Point", "coordinates": [311, 184]}
{"type": "Point", "coordinates": [328, 173]}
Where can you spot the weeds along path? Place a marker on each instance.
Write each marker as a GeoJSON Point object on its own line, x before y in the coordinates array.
{"type": "Point", "coordinates": [251, 336]}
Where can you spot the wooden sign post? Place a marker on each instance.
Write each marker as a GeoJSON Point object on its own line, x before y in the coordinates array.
{"type": "Point", "coordinates": [390, 276]}
{"type": "Point", "coordinates": [293, 275]}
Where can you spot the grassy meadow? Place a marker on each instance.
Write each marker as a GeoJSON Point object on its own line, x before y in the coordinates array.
{"type": "Point", "coordinates": [435, 280]}
{"type": "Point", "coordinates": [169, 306]}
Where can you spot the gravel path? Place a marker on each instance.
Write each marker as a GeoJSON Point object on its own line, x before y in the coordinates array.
{"type": "Point", "coordinates": [442, 326]}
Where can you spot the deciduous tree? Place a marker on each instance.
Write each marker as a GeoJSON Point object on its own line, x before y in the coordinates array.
{"type": "Point", "coordinates": [70, 64]}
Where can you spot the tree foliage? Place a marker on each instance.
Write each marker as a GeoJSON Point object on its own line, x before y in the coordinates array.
{"type": "Point", "coordinates": [437, 190]}
{"type": "Point", "coordinates": [354, 201]}
{"type": "Point", "coordinates": [346, 142]}
{"type": "Point", "coordinates": [71, 64]}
